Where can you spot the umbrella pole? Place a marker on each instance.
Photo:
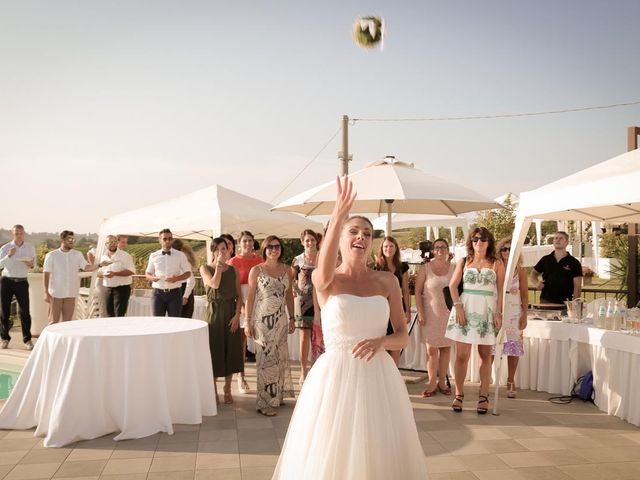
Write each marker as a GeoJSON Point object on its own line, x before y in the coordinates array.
{"type": "Point", "coordinates": [389, 210]}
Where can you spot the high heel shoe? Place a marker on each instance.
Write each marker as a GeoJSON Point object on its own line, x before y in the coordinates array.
{"type": "Point", "coordinates": [457, 407]}
{"type": "Point", "coordinates": [483, 399]}
{"type": "Point", "coordinates": [511, 390]}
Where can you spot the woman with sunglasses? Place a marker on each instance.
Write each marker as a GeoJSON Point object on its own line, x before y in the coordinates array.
{"type": "Point", "coordinates": [433, 314]}
{"type": "Point", "coordinates": [476, 316]}
{"type": "Point", "coordinates": [388, 260]}
{"type": "Point", "coordinates": [515, 315]}
{"type": "Point", "coordinates": [269, 299]}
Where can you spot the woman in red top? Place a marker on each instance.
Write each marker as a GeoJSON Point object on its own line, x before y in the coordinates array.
{"type": "Point", "coordinates": [243, 262]}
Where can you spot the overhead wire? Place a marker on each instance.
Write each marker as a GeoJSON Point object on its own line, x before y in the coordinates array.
{"type": "Point", "coordinates": [307, 165]}
{"type": "Point", "coordinates": [505, 115]}
{"type": "Point", "coordinates": [352, 121]}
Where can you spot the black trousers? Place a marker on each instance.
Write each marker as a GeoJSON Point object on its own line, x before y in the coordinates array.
{"type": "Point", "coordinates": [187, 309]}
{"type": "Point", "coordinates": [10, 287]}
{"type": "Point", "coordinates": [166, 302]}
{"type": "Point", "coordinates": [116, 300]}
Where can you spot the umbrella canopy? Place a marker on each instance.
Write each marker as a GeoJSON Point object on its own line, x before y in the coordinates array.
{"type": "Point", "coordinates": [389, 185]}
{"type": "Point", "coordinates": [413, 220]}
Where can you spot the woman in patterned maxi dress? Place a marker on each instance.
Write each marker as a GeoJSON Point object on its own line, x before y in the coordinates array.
{"type": "Point", "coordinates": [269, 319]}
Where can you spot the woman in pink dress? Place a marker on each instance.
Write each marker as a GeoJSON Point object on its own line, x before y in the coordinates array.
{"type": "Point", "coordinates": [433, 315]}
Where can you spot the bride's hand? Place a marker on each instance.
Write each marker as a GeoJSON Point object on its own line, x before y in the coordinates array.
{"type": "Point", "coordinates": [368, 348]}
{"type": "Point", "coordinates": [344, 198]}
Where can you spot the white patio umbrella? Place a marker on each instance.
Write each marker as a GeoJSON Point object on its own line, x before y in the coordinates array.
{"type": "Point", "coordinates": [387, 186]}
{"type": "Point", "coordinates": [416, 220]}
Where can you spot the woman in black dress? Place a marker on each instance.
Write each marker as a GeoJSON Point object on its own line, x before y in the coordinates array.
{"type": "Point", "coordinates": [388, 259]}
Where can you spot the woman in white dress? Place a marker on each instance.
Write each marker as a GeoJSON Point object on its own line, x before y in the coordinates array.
{"type": "Point", "coordinates": [476, 316]}
{"type": "Point", "coordinates": [353, 419]}
{"type": "Point", "coordinates": [516, 306]}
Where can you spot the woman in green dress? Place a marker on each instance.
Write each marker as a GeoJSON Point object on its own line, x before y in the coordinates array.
{"type": "Point", "coordinates": [223, 315]}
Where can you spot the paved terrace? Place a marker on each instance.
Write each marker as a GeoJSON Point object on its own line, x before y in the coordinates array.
{"type": "Point", "coordinates": [531, 439]}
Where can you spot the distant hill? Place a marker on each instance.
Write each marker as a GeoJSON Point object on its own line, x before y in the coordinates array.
{"type": "Point", "coordinates": [37, 238]}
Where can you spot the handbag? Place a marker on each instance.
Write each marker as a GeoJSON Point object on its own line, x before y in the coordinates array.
{"type": "Point", "coordinates": [447, 293]}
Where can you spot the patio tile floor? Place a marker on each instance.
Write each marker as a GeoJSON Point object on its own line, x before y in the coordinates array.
{"type": "Point", "coordinates": [530, 438]}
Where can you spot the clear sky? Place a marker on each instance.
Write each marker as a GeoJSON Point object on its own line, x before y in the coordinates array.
{"type": "Point", "coordinates": [111, 105]}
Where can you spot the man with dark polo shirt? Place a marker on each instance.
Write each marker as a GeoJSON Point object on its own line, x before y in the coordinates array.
{"type": "Point", "coordinates": [561, 273]}
{"type": "Point", "coordinates": [167, 269]}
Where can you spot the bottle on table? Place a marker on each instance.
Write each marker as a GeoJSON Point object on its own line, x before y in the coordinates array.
{"type": "Point", "coordinates": [609, 316]}
{"type": "Point", "coordinates": [602, 313]}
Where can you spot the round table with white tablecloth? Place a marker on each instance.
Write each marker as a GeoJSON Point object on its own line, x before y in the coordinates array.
{"type": "Point", "coordinates": [133, 375]}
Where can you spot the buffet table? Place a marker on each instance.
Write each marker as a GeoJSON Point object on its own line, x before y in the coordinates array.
{"type": "Point", "coordinates": [556, 354]}
{"type": "Point", "coordinates": [136, 376]}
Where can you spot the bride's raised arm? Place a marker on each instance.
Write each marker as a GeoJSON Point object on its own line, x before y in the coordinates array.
{"type": "Point", "coordinates": [328, 255]}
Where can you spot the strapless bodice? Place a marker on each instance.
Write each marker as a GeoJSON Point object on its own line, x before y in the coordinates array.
{"type": "Point", "coordinates": [347, 319]}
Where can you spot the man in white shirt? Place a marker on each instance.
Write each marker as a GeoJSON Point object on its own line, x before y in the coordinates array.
{"type": "Point", "coordinates": [61, 281]}
{"type": "Point", "coordinates": [16, 258]}
{"type": "Point", "coordinates": [117, 277]}
{"type": "Point", "coordinates": [167, 269]}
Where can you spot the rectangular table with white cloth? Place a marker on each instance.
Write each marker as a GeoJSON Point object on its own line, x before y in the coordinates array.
{"type": "Point", "coordinates": [135, 375]}
{"type": "Point", "coordinates": [556, 354]}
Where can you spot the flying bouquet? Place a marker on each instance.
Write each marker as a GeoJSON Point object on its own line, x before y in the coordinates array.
{"type": "Point", "coordinates": [368, 32]}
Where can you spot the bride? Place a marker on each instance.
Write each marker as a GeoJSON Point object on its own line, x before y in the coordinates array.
{"type": "Point", "coordinates": [353, 418]}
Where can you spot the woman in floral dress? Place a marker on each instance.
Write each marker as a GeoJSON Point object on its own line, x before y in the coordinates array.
{"type": "Point", "coordinates": [269, 305]}
{"type": "Point", "coordinates": [476, 316]}
{"type": "Point", "coordinates": [515, 315]}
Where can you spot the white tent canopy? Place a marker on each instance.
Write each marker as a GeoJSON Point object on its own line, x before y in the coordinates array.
{"type": "Point", "coordinates": [207, 213]}
{"type": "Point", "coordinates": [608, 192]}
{"type": "Point", "coordinates": [605, 192]}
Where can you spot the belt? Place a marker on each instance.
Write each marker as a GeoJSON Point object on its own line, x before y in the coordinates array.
{"type": "Point", "coordinates": [165, 290]}
{"type": "Point", "coordinates": [16, 279]}
{"type": "Point", "coordinates": [484, 293]}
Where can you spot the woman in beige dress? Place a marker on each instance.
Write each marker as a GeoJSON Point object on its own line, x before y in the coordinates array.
{"type": "Point", "coordinates": [433, 315]}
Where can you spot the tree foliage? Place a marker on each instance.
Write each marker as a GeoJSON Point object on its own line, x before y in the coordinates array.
{"type": "Point", "coordinates": [500, 222]}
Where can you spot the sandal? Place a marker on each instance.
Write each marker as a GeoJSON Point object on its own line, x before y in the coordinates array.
{"type": "Point", "coordinates": [429, 393]}
{"type": "Point", "coordinates": [511, 390]}
{"type": "Point", "coordinates": [228, 399]}
{"type": "Point", "coordinates": [268, 412]}
{"type": "Point", "coordinates": [457, 407]}
{"type": "Point", "coordinates": [444, 390]}
{"type": "Point", "coordinates": [243, 386]}
{"type": "Point", "coordinates": [483, 399]}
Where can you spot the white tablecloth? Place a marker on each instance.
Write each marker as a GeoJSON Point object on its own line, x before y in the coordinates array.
{"type": "Point", "coordinates": [556, 354]}
{"type": "Point", "coordinates": [141, 307]}
{"type": "Point", "coordinates": [136, 376]}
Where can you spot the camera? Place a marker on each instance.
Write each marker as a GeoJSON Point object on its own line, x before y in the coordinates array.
{"type": "Point", "coordinates": [426, 250]}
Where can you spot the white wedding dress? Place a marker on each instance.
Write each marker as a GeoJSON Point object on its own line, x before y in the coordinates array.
{"type": "Point", "coordinates": [353, 419]}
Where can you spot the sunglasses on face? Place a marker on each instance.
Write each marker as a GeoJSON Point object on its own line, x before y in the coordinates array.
{"type": "Point", "coordinates": [274, 247]}
{"type": "Point", "coordinates": [505, 249]}
{"type": "Point", "coordinates": [479, 239]}
{"type": "Point", "coordinates": [441, 247]}
{"type": "Point", "coordinates": [167, 239]}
